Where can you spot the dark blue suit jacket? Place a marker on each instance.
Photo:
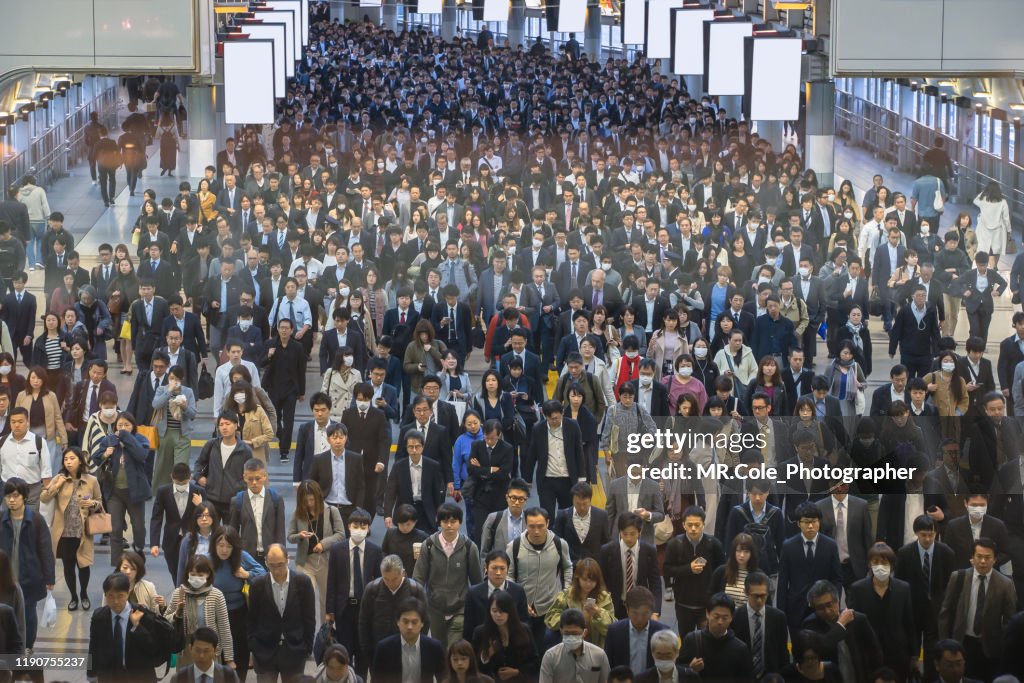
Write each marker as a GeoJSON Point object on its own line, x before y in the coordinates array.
{"type": "Point", "coordinates": [477, 605]}
{"type": "Point", "coordinates": [531, 369]}
{"type": "Point", "coordinates": [616, 643]}
{"type": "Point", "coordinates": [339, 566]}
{"type": "Point", "coordinates": [796, 574]}
{"type": "Point", "coordinates": [193, 338]}
{"type": "Point", "coordinates": [462, 327]}
{"type": "Point", "coordinates": [387, 660]}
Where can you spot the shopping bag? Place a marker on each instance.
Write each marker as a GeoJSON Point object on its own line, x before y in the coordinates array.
{"type": "Point", "coordinates": [50, 611]}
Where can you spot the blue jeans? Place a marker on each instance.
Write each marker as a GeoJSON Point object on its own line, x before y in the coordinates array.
{"type": "Point", "coordinates": [34, 248]}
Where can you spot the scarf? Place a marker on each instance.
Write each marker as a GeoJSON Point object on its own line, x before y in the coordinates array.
{"type": "Point", "coordinates": [190, 603]}
{"type": "Point", "coordinates": [629, 370]}
{"type": "Point", "coordinates": [857, 340]}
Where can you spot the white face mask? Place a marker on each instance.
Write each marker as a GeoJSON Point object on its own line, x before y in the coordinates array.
{"type": "Point", "coordinates": [948, 366]}
{"type": "Point", "coordinates": [606, 267]}
{"type": "Point", "coordinates": [344, 291]}
{"type": "Point", "coordinates": [197, 581]}
{"type": "Point", "coordinates": [108, 412]}
{"type": "Point", "coordinates": [847, 214]}
{"type": "Point", "coordinates": [976, 512]}
{"type": "Point", "coordinates": [881, 572]}
{"type": "Point", "coordinates": [537, 244]}
{"type": "Point", "coordinates": [761, 280]}
{"type": "Point", "coordinates": [646, 381]}
{"type": "Point", "coordinates": [691, 207]}
{"type": "Point", "coordinates": [357, 535]}
{"type": "Point", "coordinates": [632, 354]}
{"type": "Point", "coordinates": [239, 398]}
{"type": "Point", "coordinates": [664, 665]}
{"type": "Point", "coordinates": [5, 369]}
{"type": "Point", "coordinates": [685, 371]}
{"type": "Point", "coordinates": [572, 642]}
{"type": "Point", "coordinates": [244, 325]}
{"type": "Point", "coordinates": [752, 226]}
{"type": "Point", "coordinates": [925, 230]}
{"type": "Point", "coordinates": [181, 488]}
{"type": "Point", "coordinates": [700, 352]}
{"type": "Point", "coordinates": [363, 405]}
{"type": "Point", "coordinates": [804, 271]}
{"type": "Point", "coordinates": [350, 360]}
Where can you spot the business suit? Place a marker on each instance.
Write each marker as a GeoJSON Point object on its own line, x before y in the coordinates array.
{"type": "Point", "coordinates": [146, 331]}
{"type": "Point", "coordinates": [371, 438]}
{"type": "Point", "coordinates": [387, 660]}
{"type": "Point", "coordinates": [438, 446]}
{"type": "Point", "coordinates": [598, 533]}
{"type": "Point", "coordinates": [305, 450]}
{"type": "Point", "coordinates": [858, 534]}
{"type": "Point", "coordinates": [797, 574]}
{"type": "Point", "coordinates": [166, 525]}
{"type": "Point", "coordinates": [21, 321]}
{"type": "Point", "coordinates": [650, 499]}
{"type": "Point", "coordinates": [817, 309]}
{"type": "Point", "coordinates": [343, 604]}
{"type": "Point", "coordinates": [646, 573]}
{"type": "Point", "coordinates": [322, 473]}
{"type": "Point", "coordinates": [141, 648]}
{"type": "Point", "coordinates": [796, 386]}
{"type": "Point", "coordinates": [141, 401]}
{"type": "Point", "coordinates": [186, 360]}
{"type": "Point", "coordinates": [1011, 353]}
{"type": "Point", "coordinates": [616, 643]}
{"type": "Point", "coordinates": [398, 491]}
{"type": "Point", "coordinates": [531, 369]}
{"type": "Point", "coordinates": [216, 317]}
{"type": "Point", "coordinates": [455, 336]}
{"type": "Point", "coordinates": [162, 276]}
{"type": "Point", "coordinates": [221, 674]}
{"type": "Point", "coordinates": [192, 337]}
{"type": "Point", "coordinates": [926, 591]}
{"type": "Point", "coordinates": [330, 344]}
{"type": "Point", "coordinates": [958, 536]}
{"type": "Point", "coordinates": [881, 401]}
{"type": "Point", "coordinates": [611, 300]}
{"type": "Point", "coordinates": [1000, 605]}
{"type": "Point", "coordinates": [979, 305]}
{"type": "Point", "coordinates": [988, 446]}
{"type": "Point", "coordinates": [555, 490]}
{"type": "Point", "coordinates": [477, 605]}
{"type": "Point", "coordinates": [79, 400]}
{"type": "Point", "coordinates": [860, 638]}
{"type": "Point", "coordinates": [280, 643]}
{"type": "Point", "coordinates": [272, 523]}
{"type": "Point", "coordinates": [775, 652]}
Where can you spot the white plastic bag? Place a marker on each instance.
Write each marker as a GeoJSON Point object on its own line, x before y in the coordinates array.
{"type": "Point", "coordinates": [50, 611]}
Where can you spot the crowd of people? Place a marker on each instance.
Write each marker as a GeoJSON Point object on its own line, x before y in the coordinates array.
{"type": "Point", "coordinates": [625, 257]}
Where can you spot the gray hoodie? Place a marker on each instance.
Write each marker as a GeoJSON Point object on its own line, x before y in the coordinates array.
{"type": "Point", "coordinates": [34, 199]}
{"type": "Point", "coordinates": [537, 570]}
{"type": "Point", "coordinates": [448, 578]}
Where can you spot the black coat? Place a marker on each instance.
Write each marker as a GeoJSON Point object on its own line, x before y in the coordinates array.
{"type": "Point", "coordinates": [776, 652]}
{"type": "Point", "coordinates": [165, 514]}
{"type": "Point", "coordinates": [537, 454]}
{"type": "Point", "coordinates": [796, 575]}
{"type": "Point", "coordinates": [647, 572]}
{"type": "Point", "coordinates": [892, 619]}
{"type": "Point", "coordinates": [339, 573]}
{"type": "Point", "coordinates": [865, 650]}
{"type": "Point", "coordinates": [793, 393]}
{"type": "Point", "coordinates": [925, 596]}
{"type": "Point", "coordinates": [268, 628]}
{"type": "Point", "coordinates": [322, 473]}
{"type": "Point", "coordinates": [597, 536]}
{"type": "Point", "coordinates": [478, 605]}
{"type": "Point", "coordinates": [398, 490]}
{"type": "Point", "coordinates": [141, 648]}
{"type": "Point", "coordinates": [437, 448]}
{"type": "Point", "coordinates": [616, 643]}
{"type": "Point", "coordinates": [387, 660]}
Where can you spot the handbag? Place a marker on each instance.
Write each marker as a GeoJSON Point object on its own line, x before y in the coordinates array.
{"type": "Point", "coordinates": [204, 387]}
{"type": "Point", "coordinates": [151, 434]}
{"type": "Point", "coordinates": [126, 330]}
{"type": "Point", "coordinates": [663, 531]}
{"type": "Point", "coordinates": [99, 522]}
{"type": "Point", "coordinates": [114, 305]}
{"type": "Point", "coordinates": [938, 204]}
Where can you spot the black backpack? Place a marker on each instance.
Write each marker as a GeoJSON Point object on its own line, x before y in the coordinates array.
{"type": "Point", "coordinates": [764, 539]}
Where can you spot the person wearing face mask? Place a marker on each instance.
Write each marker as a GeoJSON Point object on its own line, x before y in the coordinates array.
{"type": "Point", "coordinates": [961, 532]}
{"type": "Point", "coordinates": [927, 243]}
{"type": "Point", "coordinates": [340, 381]}
{"type": "Point", "coordinates": [885, 601]}
{"type": "Point", "coordinates": [174, 504]}
{"type": "Point", "coordinates": [256, 429]}
{"type": "Point", "coordinates": [626, 368]}
{"type": "Point", "coordinates": [247, 335]}
{"type": "Point", "coordinates": [199, 603]}
{"type": "Point", "coordinates": [574, 659]}
{"type": "Point", "coordinates": [174, 409]}
{"type": "Point", "coordinates": [949, 394]}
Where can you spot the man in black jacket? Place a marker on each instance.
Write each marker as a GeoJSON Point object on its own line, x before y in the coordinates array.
{"type": "Point", "coordinates": [399, 488]}
{"type": "Point", "coordinates": [690, 560]}
{"type": "Point", "coordinates": [557, 468]}
{"type": "Point", "coordinates": [762, 627]}
{"type": "Point", "coordinates": [284, 374]}
{"type": "Point", "coordinates": [626, 556]}
{"type": "Point", "coordinates": [496, 565]}
{"type": "Point", "coordinates": [369, 434]}
{"type": "Point", "coordinates": [583, 518]}
{"type": "Point", "coordinates": [863, 653]}
{"type": "Point", "coordinates": [280, 639]}
{"type": "Point", "coordinates": [166, 515]}
{"type": "Point", "coordinates": [796, 378]}
{"type": "Point", "coordinates": [715, 652]}
{"type": "Point", "coordinates": [1011, 353]}
{"type": "Point", "coordinates": [124, 641]}
{"type": "Point", "coordinates": [916, 331]}
{"type": "Point", "coordinates": [19, 312]}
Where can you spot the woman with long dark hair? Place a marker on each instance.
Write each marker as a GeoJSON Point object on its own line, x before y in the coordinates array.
{"type": "Point", "coordinates": [233, 569]}
{"type": "Point", "coordinates": [949, 394]}
{"type": "Point", "coordinates": [141, 592]}
{"type": "Point", "coordinates": [730, 578]}
{"type": "Point", "coordinates": [44, 414]}
{"type": "Point", "coordinates": [314, 528]}
{"type": "Point", "coordinates": [11, 383]}
{"type": "Point", "coordinates": [198, 534]}
{"type": "Point", "coordinates": [769, 381]}
{"type": "Point", "coordinates": [462, 666]}
{"type": "Point", "coordinates": [504, 647]}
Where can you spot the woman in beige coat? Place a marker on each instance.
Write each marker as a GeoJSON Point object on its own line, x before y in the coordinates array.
{"type": "Point", "coordinates": [44, 416]}
{"type": "Point", "coordinates": [423, 355]}
{"type": "Point", "coordinates": [76, 494]}
{"type": "Point", "coordinates": [257, 431]}
{"type": "Point", "coordinates": [340, 381]}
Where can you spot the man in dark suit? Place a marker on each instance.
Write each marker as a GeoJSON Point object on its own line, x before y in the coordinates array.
{"type": "Point", "coordinates": [454, 332]}
{"type": "Point", "coordinates": [345, 492]}
{"type": "Point", "coordinates": [370, 437]}
{"type": "Point", "coordinates": [1011, 353]}
{"type": "Point", "coordinates": [531, 364]}
{"type": "Point", "coordinates": [796, 378]}
{"type": "Point", "coordinates": [863, 653]}
{"type": "Point", "coordinates": [222, 291]}
{"type": "Point", "coordinates": [619, 645]}
{"type": "Point", "coordinates": [989, 438]}
{"type": "Point", "coordinates": [146, 383]}
{"type": "Point", "coordinates": [926, 565]}
{"type": "Point", "coordinates": [979, 302]}
{"type": "Point", "coordinates": [628, 562]}
{"type": "Point", "coordinates": [19, 312]}
{"type": "Point", "coordinates": [145, 316]}
{"type": "Point", "coordinates": [806, 558]}
{"type": "Point", "coordinates": [202, 647]}
{"type": "Point", "coordinates": [124, 639]}
{"type": "Point", "coordinates": [796, 251]}
{"type": "Point", "coordinates": [812, 291]}
{"type": "Point", "coordinates": [389, 660]}
{"type": "Point", "coordinates": [437, 440]}
{"type": "Point", "coordinates": [104, 273]}
{"type": "Point", "coordinates": [341, 335]}
{"type": "Point", "coordinates": [312, 436]}
{"type": "Point", "coordinates": [583, 518]}
{"type": "Point", "coordinates": [959, 535]}
{"type": "Point", "coordinates": [566, 460]}
{"type": "Point", "coordinates": [762, 627]}
{"type": "Point", "coordinates": [888, 258]}
{"type": "Point", "coordinates": [572, 274]}
{"type": "Point", "coordinates": [847, 515]}
{"type": "Point", "coordinates": [478, 598]}
{"type": "Point", "coordinates": [650, 309]}
{"type": "Point", "coordinates": [430, 493]}
{"type": "Point", "coordinates": [608, 297]}
{"type": "Point", "coordinates": [160, 271]}
{"type": "Point", "coordinates": [884, 396]}
{"type": "Point", "coordinates": [848, 290]}
{"type": "Point", "coordinates": [192, 337]}
{"type": "Point", "coordinates": [282, 619]}
{"type": "Point", "coordinates": [182, 357]}
{"type": "Point", "coordinates": [352, 565]}
{"type": "Point", "coordinates": [84, 399]}
{"type": "Point", "coordinates": [258, 534]}
{"type": "Point", "coordinates": [173, 504]}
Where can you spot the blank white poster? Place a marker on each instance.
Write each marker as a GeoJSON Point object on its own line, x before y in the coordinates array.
{"type": "Point", "coordinates": [275, 33]}
{"type": "Point", "coordinates": [369, 3]}
{"type": "Point", "coordinates": [292, 23]}
{"type": "Point", "coordinates": [659, 28]}
{"type": "Point", "coordinates": [775, 79]}
{"type": "Point", "coordinates": [248, 99]}
{"type": "Point", "coordinates": [496, 10]}
{"type": "Point", "coordinates": [302, 27]}
{"type": "Point", "coordinates": [725, 67]}
{"type": "Point", "coordinates": [688, 40]}
{"type": "Point", "coordinates": [634, 22]}
{"type": "Point", "coordinates": [572, 16]}
{"type": "Point", "coordinates": [429, 6]}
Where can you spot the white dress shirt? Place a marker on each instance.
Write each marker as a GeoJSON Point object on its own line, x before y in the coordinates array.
{"type": "Point", "coordinates": [256, 500]}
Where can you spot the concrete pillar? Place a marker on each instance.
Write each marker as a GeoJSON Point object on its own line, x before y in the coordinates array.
{"type": "Point", "coordinates": [338, 10]}
{"type": "Point", "coordinates": [592, 37]}
{"type": "Point", "coordinates": [732, 104]}
{"type": "Point", "coordinates": [449, 20]}
{"type": "Point", "coordinates": [773, 132]}
{"type": "Point", "coordinates": [517, 23]}
{"type": "Point", "coordinates": [389, 14]}
{"type": "Point", "coordinates": [203, 132]}
{"type": "Point", "coordinates": [905, 106]}
{"type": "Point", "coordinates": [820, 135]}
{"type": "Point", "coordinates": [694, 85]}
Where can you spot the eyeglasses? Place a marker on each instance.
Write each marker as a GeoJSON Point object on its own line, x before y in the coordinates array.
{"type": "Point", "coordinates": [516, 499]}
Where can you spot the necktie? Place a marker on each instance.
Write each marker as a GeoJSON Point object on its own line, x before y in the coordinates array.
{"type": "Point", "coordinates": [926, 569]}
{"type": "Point", "coordinates": [597, 297]}
{"type": "Point", "coordinates": [119, 641]}
{"type": "Point", "coordinates": [106, 274]}
{"type": "Point", "coordinates": [574, 274]}
{"type": "Point", "coordinates": [94, 403]}
{"type": "Point", "coordinates": [979, 608]}
{"type": "Point", "coordinates": [451, 323]}
{"type": "Point", "coordinates": [810, 551]}
{"type": "Point", "coordinates": [203, 678]}
{"type": "Point", "coordinates": [757, 646]}
{"type": "Point", "coordinates": [362, 414]}
{"type": "Point", "coordinates": [540, 289]}
{"type": "Point", "coordinates": [280, 240]}
{"type": "Point", "coordinates": [21, 295]}
{"type": "Point", "coordinates": [630, 570]}
{"type": "Point", "coordinates": [401, 317]}
{"type": "Point", "coordinates": [156, 383]}
{"type": "Point", "coordinates": [844, 546]}
{"type": "Point", "coordinates": [153, 265]}
{"type": "Point", "coordinates": [568, 215]}
{"type": "Point", "coordinates": [357, 572]}
{"type": "Point", "coordinates": [291, 311]}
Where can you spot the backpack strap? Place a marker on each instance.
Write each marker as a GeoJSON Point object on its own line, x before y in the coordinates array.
{"type": "Point", "coordinates": [561, 572]}
{"type": "Point", "coordinates": [494, 526]}
{"type": "Point", "coordinates": [515, 558]}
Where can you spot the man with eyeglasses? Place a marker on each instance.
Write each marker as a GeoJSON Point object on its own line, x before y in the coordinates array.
{"type": "Point", "coordinates": [504, 526]}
